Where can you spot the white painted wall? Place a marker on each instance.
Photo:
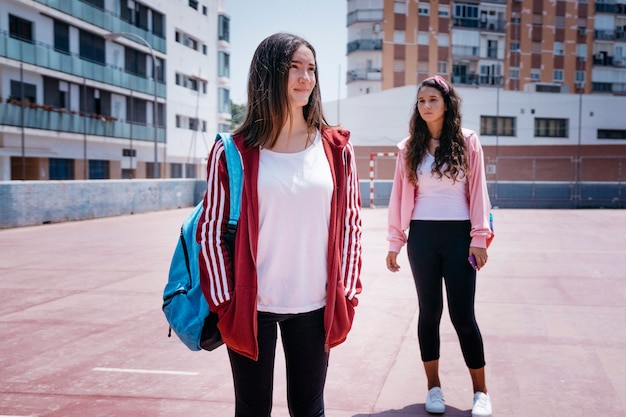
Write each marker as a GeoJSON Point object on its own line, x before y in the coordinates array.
{"type": "Point", "coordinates": [382, 119]}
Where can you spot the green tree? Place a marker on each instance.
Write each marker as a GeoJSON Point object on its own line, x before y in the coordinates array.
{"type": "Point", "coordinates": [238, 113]}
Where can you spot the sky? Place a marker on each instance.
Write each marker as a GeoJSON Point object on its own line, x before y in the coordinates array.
{"type": "Point", "coordinates": [321, 22]}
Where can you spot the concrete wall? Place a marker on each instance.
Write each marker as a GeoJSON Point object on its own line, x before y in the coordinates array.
{"type": "Point", "coordinates": [28, 203]}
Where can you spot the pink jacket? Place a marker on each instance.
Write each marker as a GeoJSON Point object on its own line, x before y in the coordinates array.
{"type": "Point", "coordinates": [234, 296]}
{"type": "Point", "coordinates": [404, 194]}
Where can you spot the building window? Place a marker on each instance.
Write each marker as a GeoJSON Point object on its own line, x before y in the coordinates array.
{"type": "Point", "coordinates": [535, 74]}
{"type": "Point", "coordinates": [30, 91]}
{"type": "Point", "coordinates": [176, 170]}
{"type": "Point", "coordinates": [223, 66]}
{"type": "Point", "coordinates": [398, 65]}
{"type": "Point", "coordinates": [61, 37]}
{"type": "Point", "coordinates": [135, 62]}
{"type": "Point", "coordinates": [399, 6]}
{"type": "Point", "coordinates": [423, 9]}
{"type": "Point", "coordinates": [581, 51]}
{"type": "Point", "coordinates": [191, 43]}
{"type": "Point", "coordinates": [204, 10]}
{"type": "Point", "coordinates": [91, 47]}
{"type": "Point", "coordinates": [190, 171]}
{"type": "Point", "coordinates": [223, 104]}
{"type": "Point", "coordinates": [158, 24]}
{"type": "Point", "coordinates": [492, 49]}
{"type": "Point", "coordinates": [514, 73]}
{"type": "Point", "coordinates": [492, 126]}
{"type": "Point", "coordinates": [580, 76]}
{"type": "Point", "coordinates": [444, 11]}
{"type": "Point", "coordinates": [96, 3]}
{"type": "Point", "coordinates": [558, 76]}
{"type": "Point", "coordinates": [21, 29]}
{"type": "Point", "coordinates": [442, 67]}
{"type": "Point", "coordinates": [558, 48]}
{"type": "Point", "coordinates": [536, 47]}
{"type": "Point", "coordinates": [98, 170]}
{"type": "Point", "coordinates": [223, 28]}
{"type": "Point", "coordinates": [551, 128]}
{"type": "Point", "coordinates": [422, 38]}
{"type": "Point", "coordinates": [193, 4]}
{"type": "Point", "coordinates": [559, 22]}
{"type": "Point", "coordinates": [399, 37]}
{"type": "Point", "coordinates": [611, 134]}
{"type": "Point", "coordinates": [61, 169]}
{"type": "Point", "coordinates": [514, 46]}
{"type": "Point", "coordinates": [443, 39]}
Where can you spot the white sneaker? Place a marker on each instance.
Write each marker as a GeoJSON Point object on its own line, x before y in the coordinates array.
{"type": "Point", "coordinates": [434, 401]}
{"type": "Point", "coordinates": [482, 405]}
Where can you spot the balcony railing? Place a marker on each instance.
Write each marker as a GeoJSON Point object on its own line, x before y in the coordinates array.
{"type": "Point", "coordinates": [365, 15]}
{"type": "Point", "coordinates": [104, 19]}
{"type": "Point", "coordinates": [364, 74]}
{"type": "Point", "coordinates": [45, 56]}
{"type": "Point", "coordinates": [365, 45]}
{"type": "Point", "coordinates": [63, 121]}
{"type": "Point", "coordinates": [468, 51]}
{"type": "Point", "coordinates": [604, 34]}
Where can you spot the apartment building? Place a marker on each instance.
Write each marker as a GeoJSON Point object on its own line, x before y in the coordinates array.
{"type": "Point", "coordinates": [520, 45]}
{"type": "Point", "coordinates": [111, 89]}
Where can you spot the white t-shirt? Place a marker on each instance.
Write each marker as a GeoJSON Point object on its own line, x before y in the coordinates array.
{"type": "Point", "coordinates": [295, 191]}
{"type": "Point", "coordinates": [439, 198]}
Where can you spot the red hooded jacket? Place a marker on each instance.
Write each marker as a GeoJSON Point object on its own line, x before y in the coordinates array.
{"type": "Point", "coordinates": [230, 285]}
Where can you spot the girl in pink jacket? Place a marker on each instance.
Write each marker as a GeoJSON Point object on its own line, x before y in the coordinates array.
{"type": "Point", "coordinates": [440, 196]}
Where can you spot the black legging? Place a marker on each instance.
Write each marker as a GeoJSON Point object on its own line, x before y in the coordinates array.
{"type": "Point", "coordinates": [306, 361]}
{"type": "Point", "coordinates": [436, 250]}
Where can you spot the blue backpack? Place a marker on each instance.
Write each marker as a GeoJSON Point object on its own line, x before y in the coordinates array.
{"type": "Point", "coordinates": [184, 304]}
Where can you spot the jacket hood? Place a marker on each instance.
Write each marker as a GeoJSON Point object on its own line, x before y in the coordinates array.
{"type": "Point", "coordinates": [336, 137]}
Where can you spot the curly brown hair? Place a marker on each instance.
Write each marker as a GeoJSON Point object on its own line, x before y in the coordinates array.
{"type": "Point", "coordinates": [451, 156]}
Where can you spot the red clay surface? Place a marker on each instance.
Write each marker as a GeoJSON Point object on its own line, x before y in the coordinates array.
{"type": "Point", "coordinates": [83, 333]}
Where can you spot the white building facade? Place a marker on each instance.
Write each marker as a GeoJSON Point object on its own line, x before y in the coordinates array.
{"type": "Point", "coordinates": [110, 89]}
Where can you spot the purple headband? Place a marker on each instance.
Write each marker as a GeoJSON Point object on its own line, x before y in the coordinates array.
{"type": "Point", "coordinates": [438, 79]}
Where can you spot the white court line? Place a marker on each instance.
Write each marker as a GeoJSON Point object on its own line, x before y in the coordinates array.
{"type": "Point", "coordinates": [145, 371]}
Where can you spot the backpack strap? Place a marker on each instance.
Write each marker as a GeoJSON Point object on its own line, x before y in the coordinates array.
{"type": "Point", "coordinates": [235, 176]}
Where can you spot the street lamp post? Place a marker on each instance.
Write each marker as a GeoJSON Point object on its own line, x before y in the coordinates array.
{"type": "Point", "coordinates": [116, 35]}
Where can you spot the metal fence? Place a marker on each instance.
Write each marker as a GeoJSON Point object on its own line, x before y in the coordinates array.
{"type": "Point", "coordinates": [539, 182]}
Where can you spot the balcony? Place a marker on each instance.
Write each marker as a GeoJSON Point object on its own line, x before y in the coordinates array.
{"type": "Point", "coordinates": [59, 120]}
{"type": "Point", "coordinates": [606, 7]}
{"type": "Point", "coordinates": [464, 22]}
{"type": "Point", "coordinates": [365, 15]}
{"type": "Point", "coordinates": [606, 35]}
{"type": "Point", "coordinates": [104, 19]}
{"type": "Point", "coordinates": [603, 58]}
{"type": "Point", "coordinates": [465, 51]}
{"type": "Point", "coordinates": [45, 56]}
{"type": "Point", "coordinates": [364, 74]}
{"type": "Point", "coordinates": [365, 45]}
